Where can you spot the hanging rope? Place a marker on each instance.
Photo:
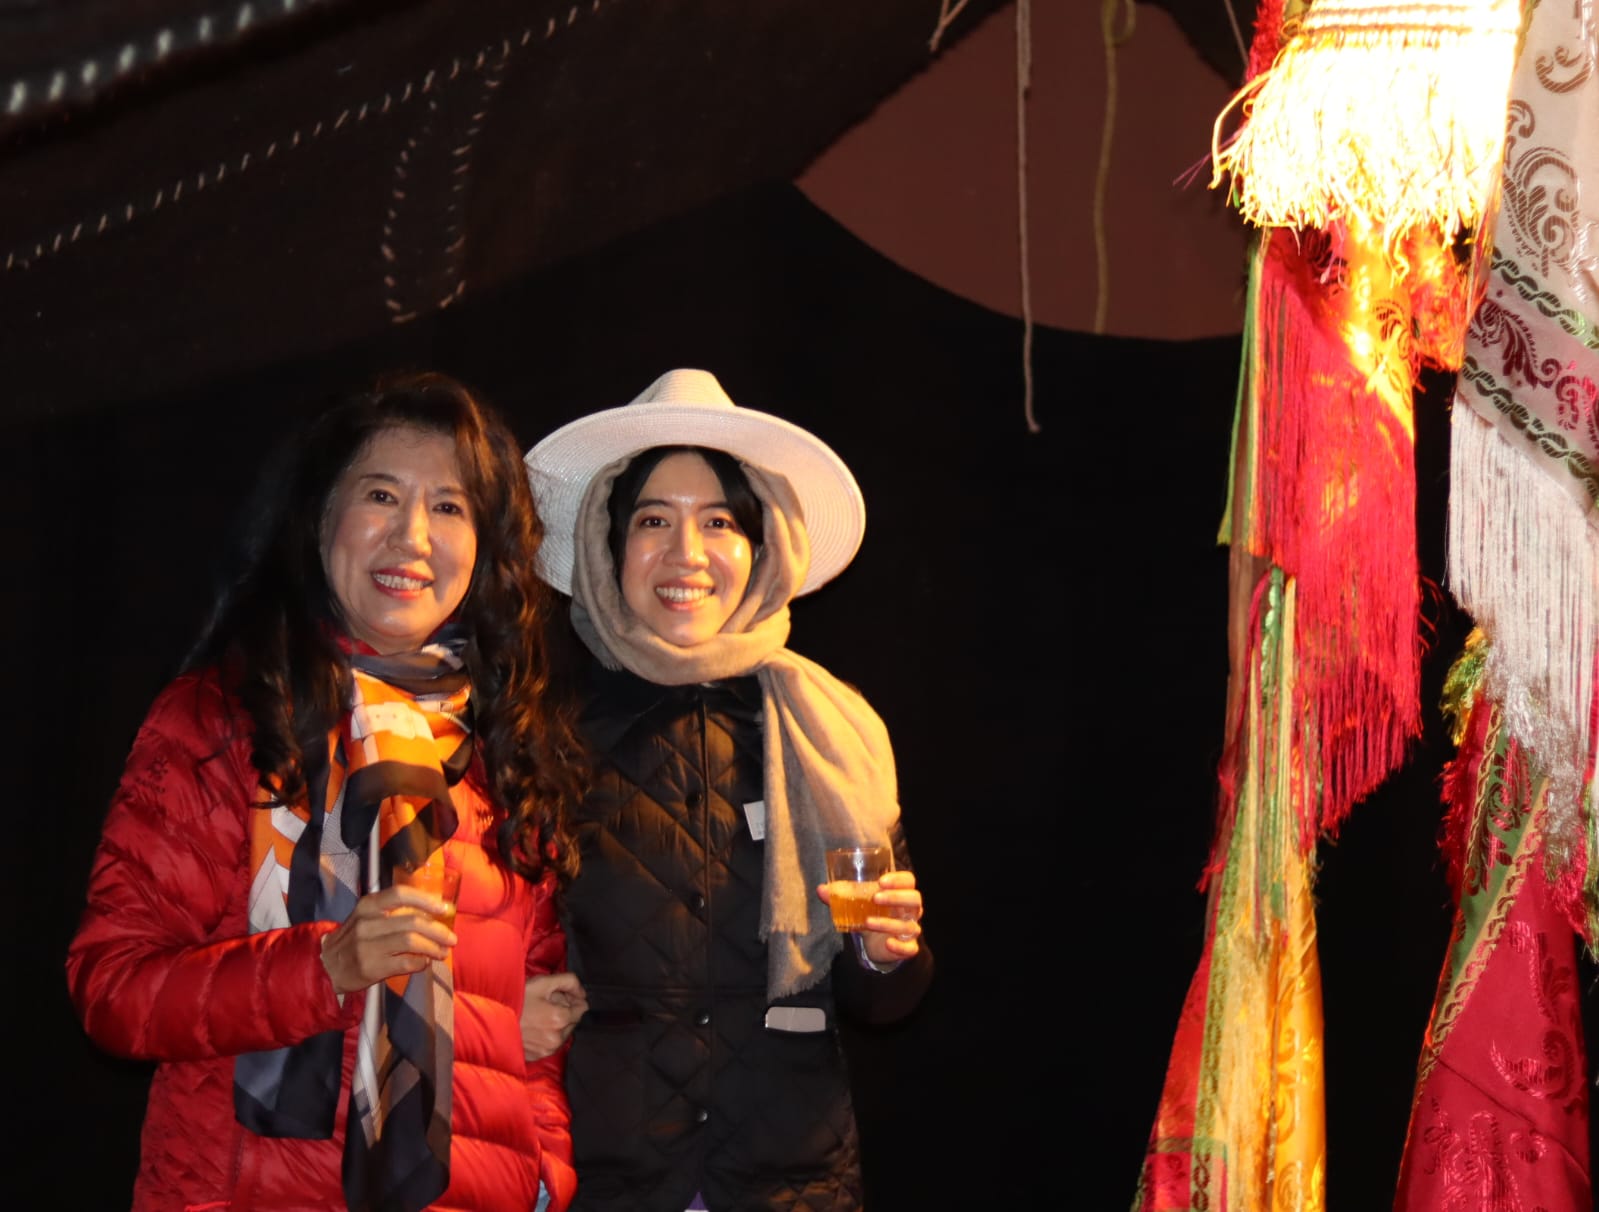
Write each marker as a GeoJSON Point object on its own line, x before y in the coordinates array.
{"type": "Point", "coordinates": [1112, 39]}
{"type": "Point", "coordinates": [1024, 82]}
{"type": "Point", "coordinates": [947, 12]}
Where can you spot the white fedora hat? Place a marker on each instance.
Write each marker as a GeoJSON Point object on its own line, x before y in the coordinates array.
{"type": "Point", "coordinates": [689, 408]}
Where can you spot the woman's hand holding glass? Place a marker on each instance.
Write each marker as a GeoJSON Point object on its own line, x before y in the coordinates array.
{"type": "Point", "coordinates": [390, 933]}
{"type": "Point", "coordinates": [890, 935]}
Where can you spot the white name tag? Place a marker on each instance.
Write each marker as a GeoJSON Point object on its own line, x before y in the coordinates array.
{"type": "Point", "coordinates": [755, 814]}
{"type": "Point", "coordinates": [804, 1019]}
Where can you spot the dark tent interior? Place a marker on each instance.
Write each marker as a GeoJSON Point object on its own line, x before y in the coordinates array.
{"type": "Point", "coordinates": [214, 216]}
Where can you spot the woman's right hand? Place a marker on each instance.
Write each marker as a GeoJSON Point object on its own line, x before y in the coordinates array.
{"type": "Point", "coordinates": [390, 933]}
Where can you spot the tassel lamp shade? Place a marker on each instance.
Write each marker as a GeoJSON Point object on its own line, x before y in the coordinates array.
{"type": "Point", "coordinates": [1384, 116]}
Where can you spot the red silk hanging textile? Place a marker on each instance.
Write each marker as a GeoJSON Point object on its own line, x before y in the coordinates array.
{"type": "Point", "coordinates": [1500, 1118]}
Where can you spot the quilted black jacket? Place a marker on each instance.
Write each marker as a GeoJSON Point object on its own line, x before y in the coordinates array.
{"type": "Point", "coordinates": [676, 1083]}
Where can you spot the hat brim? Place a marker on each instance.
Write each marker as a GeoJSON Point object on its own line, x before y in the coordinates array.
{"type": "Point", "coordinates": [562, 466]}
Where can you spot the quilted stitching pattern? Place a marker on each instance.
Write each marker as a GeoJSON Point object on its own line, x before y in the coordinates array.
{"type": "Point", "coordinates": [675, 1083]}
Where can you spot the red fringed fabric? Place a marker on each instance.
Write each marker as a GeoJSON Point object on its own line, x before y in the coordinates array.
{"type": "Point", "coordinates": [1268, 36]}
{"type": "Point", "coordinates": [1333, 505]}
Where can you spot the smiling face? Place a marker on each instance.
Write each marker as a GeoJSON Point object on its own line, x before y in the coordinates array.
{"type": "Point", "coordinates": [399, 541]}
{"type": "Point", "coordinates": [686, 563]}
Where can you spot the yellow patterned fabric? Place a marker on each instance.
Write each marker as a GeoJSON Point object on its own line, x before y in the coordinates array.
{"type": "Point", "coordinates": [1241, 1125]}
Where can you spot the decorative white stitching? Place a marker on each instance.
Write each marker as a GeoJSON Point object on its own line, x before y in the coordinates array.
{"type": "Point", "coordinates": [163, 44]}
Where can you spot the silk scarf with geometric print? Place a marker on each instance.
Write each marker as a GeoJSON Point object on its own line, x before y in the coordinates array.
{"type": "Point", "coordinates": [384, 797]}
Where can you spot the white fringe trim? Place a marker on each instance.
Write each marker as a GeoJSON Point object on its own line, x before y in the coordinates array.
{"type": "Point", "coordinates": [1386, 114]}
{"type": "Point", "coordinates": [1524, 562]}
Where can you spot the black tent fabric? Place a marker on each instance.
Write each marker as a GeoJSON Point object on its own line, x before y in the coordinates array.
{"type": "Point", "coordinates": [190, 189]}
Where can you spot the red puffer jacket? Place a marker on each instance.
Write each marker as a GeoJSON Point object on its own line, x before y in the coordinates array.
{"type": "Point", "coordinates": [164, 967]}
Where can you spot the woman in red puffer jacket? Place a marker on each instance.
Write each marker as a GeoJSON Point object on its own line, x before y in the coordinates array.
{"type": "Point", "coordinates": [368, 697]}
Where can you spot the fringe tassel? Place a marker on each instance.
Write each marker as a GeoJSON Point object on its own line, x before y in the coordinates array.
{"type": "Point", "coordinates": [1524, 562]}
{"type": "Point", "coordinates": [1333, 505]}
{"type": "Point", "coordinates": [1388, 115]}
{"type": "Point", "coordinates": [1268, 38]}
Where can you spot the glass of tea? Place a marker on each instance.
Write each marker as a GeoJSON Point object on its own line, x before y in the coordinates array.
{"type": "Point", "coordinates": [443, 882]}
{"type": "Point", "coordinates": [852, 875]}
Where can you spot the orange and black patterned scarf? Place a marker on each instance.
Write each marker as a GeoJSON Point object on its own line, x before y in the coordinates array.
{"type": "Point", "coordinates": [385, 799]}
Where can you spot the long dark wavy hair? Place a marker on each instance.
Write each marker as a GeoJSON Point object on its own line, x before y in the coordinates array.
{"type": "Point", "coordinates": [275, 633]}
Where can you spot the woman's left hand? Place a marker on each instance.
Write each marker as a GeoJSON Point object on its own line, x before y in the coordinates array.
{"type": "Point", "coordinates": [551, 1007]}
{"type": "Point", "coordinates": [890, 935]}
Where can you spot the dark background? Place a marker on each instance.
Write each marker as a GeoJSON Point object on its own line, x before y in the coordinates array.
{"type": "Point", "coordinates": [1040, 618]}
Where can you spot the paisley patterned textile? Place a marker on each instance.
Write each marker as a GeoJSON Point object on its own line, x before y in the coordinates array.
{"type": "Point", "coordinates": [1524, 475]}
{"type": "Point", "coordinates": [1533, 348]}
{"type": "Point", "coordinates": [1500, 1118]}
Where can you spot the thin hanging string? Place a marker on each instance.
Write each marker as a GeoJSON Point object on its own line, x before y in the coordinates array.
{"type": "Point", "coordinates": [947, 13]}
{"type": "Point", "coordinates": [1238, 33]}
{"type": "Point", "coordinates": [1024, 82]}
{"type": "Point", "coordinates": [1111, 39]}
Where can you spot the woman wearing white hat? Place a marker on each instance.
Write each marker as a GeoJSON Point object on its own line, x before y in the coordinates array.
{"type": "Point", "coordinates": [708, 1065]}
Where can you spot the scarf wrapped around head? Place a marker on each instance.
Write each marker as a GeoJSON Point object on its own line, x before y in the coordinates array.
{"type": "Point", "coordinates": [829, 765]}
{"type": "Point", "coordinates": [383, 799]}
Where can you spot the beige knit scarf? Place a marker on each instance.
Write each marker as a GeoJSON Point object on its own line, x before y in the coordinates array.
{"type": "Point", "coordinates": [829, 765]}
